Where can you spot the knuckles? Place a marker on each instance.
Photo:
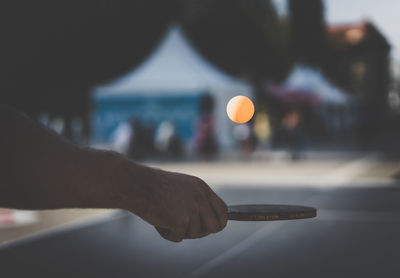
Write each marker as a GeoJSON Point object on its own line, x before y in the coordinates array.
{"type": "Point", "coordinates": [193, 201]}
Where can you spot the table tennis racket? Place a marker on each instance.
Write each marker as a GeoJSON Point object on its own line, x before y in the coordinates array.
{"type": "Point", "coordinates": [269, 212]}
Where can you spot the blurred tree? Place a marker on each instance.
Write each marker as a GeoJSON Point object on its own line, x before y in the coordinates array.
{"type": "Point", "coordinates": [244, 38]}
{"type": "Point", "coordinates": [308, 27]}
{"type": "Point", "coordinates": [53, 52]}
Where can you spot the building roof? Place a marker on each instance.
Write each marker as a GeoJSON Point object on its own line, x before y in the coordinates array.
{"type": "Point", "coordinates": [347, 34]}
{"type": "Point", "coordinates": [344, 36]}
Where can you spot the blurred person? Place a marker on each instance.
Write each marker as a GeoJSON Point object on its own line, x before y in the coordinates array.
{"type": "Point", "coordinates": [167, 140]}
{"type": "Point", "coordinates": [164, 132]}
{"type": "Point", "coordinates": [262, 132]}
{"type": "Point", "coordinates": [41, 170]}
{"type": "Point", "coordinates": [141, 144]}
{"type": "Point", "coordinates": [292, 123]}
{"type": "Point", "coordinates": [205, 140]}
{"type": "Point", "coordinates": [244, 134]}
{"type": "Point", "coordinates": [176, 146]}
{"type": "Point", "coordinates": [121, 137]}
{"type": "Point", "coordinates": [262, 128]}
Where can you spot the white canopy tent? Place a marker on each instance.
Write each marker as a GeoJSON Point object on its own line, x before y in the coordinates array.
{"type": "Point", "coordinates": [336, 105]}
{"type": "Point", "coordinates": [174, 68]}
{"type": "Point", "coordinates": [312, 80]}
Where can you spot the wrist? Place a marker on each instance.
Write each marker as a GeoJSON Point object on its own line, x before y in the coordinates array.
{"type": "Point", "coordinates": [95, 180]}
{"type": "Point", "coordinates": [123, 184]}
{"type": "Point", "coordinates": [135, 186]}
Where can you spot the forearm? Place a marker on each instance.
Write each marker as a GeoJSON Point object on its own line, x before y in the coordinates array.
{"type": "Point", "coordinates": [40, 170]}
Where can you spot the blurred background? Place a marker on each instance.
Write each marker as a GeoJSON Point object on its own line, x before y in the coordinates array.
{"type": "Point", "coordinates": [151, 80]}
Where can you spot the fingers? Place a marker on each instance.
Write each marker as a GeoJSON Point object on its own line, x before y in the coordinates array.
{"type": "Point", "coordinates": [196, 228]}
{"type": "Point", "coordinates": [212, 214]}
{"type": "Point", "coordinates": [170, 235]}
{"type": "Point", "coordinates": [203, 223]}
{"type": "Point", "coordinates": [220, 209]}
{"type": "Point", "coordinates": [193, 210]}
{"type": "Point", "coordinates": [212, 217]}
{"type": "Point", "coordinates": [209, 219]}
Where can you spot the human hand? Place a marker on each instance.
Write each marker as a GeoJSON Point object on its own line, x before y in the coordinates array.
{"type": "Point", "coordinates": [180, 206]}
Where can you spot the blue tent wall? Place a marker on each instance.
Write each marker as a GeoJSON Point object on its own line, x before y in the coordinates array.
{"type": "Point", "coordinates": [179, 108]}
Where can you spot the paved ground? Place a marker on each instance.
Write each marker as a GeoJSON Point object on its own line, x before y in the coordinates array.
{"type": "Point", "coordinates": [50, 219]}
{"type": "Point", "coordinates": [356, 233]}
{"type": "Point", "coordinates": [320, 170]}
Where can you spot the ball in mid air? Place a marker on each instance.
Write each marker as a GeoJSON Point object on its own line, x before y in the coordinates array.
{"type": "Point", "coordinates": [240, 109]}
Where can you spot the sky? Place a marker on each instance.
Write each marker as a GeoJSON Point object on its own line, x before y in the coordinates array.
{"type": "Point", "coordinates": [384, 14]}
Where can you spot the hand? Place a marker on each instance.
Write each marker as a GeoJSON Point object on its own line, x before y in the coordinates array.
{"type": "Point", "coordinates": [181, 206]}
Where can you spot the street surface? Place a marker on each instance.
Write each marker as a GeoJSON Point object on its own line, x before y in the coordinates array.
{"type": "Point", "coordinates": [356, 232]}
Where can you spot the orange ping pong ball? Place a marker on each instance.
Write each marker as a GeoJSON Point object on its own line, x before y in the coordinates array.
{"type": "Point", "coordinates": [240, 109]}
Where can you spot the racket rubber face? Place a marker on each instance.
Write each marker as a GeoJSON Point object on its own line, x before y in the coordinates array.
{"type": "Point", "coordinates": [269, 212]}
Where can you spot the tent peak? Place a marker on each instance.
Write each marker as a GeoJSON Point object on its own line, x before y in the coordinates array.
{"type": "Point", "coordinates": [174, 65]}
